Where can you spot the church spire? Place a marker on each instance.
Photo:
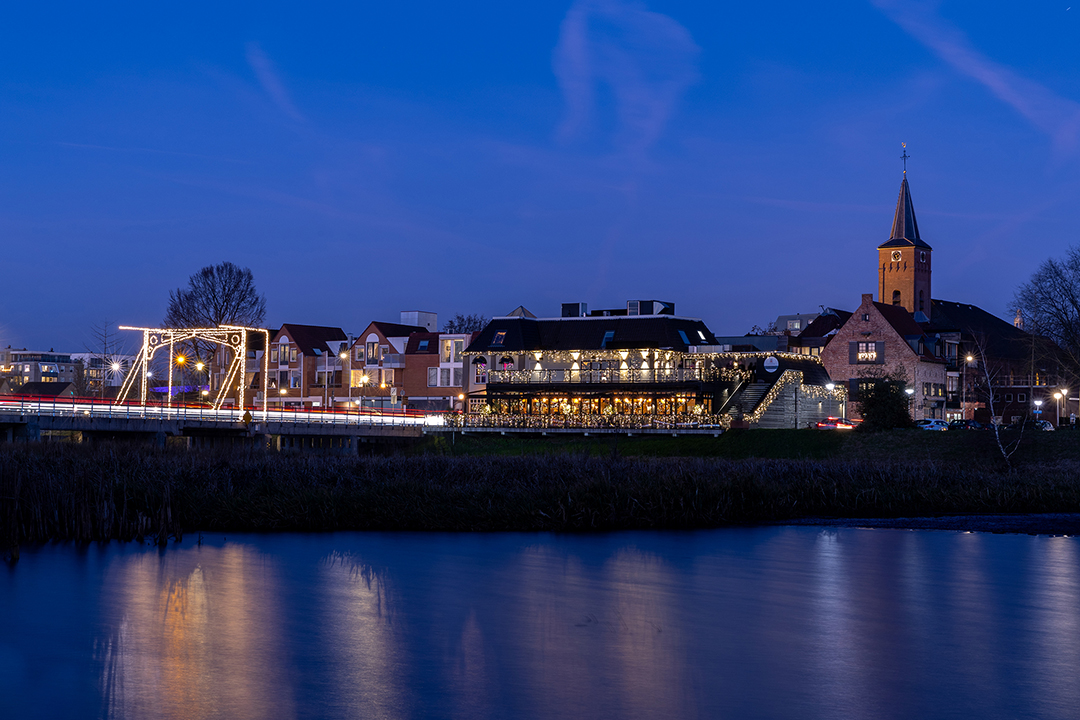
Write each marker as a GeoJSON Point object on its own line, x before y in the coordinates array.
{"type": "Point", "coordinates": [905, 230]}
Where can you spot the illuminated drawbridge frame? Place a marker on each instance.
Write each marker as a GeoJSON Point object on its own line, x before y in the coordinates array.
{"type": "Point", "coordinates": [233, 337]}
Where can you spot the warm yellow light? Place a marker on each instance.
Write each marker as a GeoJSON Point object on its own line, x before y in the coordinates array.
{"type": "Point", "coordinates": [199, 366]}
{"type": "Point", "coordinates": [115, 367]}
{"type": "Point", "coordinates": [969, 358]}
{"type": "Point", "coordinates": [382, 385]}
{"type": "Point", "coordinates": [344, 355]}
{"type": "Point", "coordinates": [1057, 396]}
{"type": "Point", "coordinates": [205, 392]}
{"type": "Point", "coordinates": [461, 396]}
{"type": "Point", "coordinates": [282, 391]}
{"type": "Point", "coordinates": [363, 378]}
{"type": "Point", "coordinates": [180, 359]}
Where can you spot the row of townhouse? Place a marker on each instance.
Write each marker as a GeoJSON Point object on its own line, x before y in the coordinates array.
{"type": "Point", "coordinates": [389, 366]}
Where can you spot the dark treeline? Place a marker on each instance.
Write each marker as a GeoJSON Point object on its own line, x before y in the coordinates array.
{"type": "Point", "coordinates": [87, 493]}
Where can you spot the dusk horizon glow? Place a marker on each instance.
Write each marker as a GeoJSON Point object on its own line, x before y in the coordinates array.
{"type": "Point", "coordinates": [742, 162]}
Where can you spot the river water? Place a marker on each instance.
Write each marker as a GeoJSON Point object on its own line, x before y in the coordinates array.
{"type": "Point", "coordinates": [772, 622]}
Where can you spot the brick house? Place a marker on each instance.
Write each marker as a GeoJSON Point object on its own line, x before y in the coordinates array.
{"type": "Point", "coordinates": [377, 361]}
{"type": "Point", "coordinates": [306, 366]}
{"type": "Point", "coordinates": [434, 370]}
{"type": "Point", "coordinates": [879, 340]}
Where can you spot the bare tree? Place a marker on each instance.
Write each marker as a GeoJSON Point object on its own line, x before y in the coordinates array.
{"type": "Point", "coordinates": [990, 377]}
{"type": "Point", "coordinates": [221, 294]}
{"type": "Point", "coordinates": [1049, 305]}
{"type": "Point", "coordinates": [465, 323]}
{"type": "Point", "coordinates": [104, 348]}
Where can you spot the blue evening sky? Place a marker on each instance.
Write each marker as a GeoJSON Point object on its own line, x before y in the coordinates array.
{"type": "Point", "coordinates": [738, 158]}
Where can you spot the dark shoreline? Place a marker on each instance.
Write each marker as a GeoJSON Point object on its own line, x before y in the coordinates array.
{"type": "Point", "coordinates": [1057, 524]}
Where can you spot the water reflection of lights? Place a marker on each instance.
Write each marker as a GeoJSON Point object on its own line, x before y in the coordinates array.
{"type": "Point", "coordinates": [357, 621]}
{"type": "Point", "coordinates": [193, 646]}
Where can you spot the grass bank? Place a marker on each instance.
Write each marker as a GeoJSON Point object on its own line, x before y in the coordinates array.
{"type": "Point", "coordinates": [976, 447]}
{"type": "Point", "coordinates": [86, 493]}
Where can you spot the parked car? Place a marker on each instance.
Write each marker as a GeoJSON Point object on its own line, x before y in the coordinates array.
{"type": "Point", "coordinates": [835, 423]}
{"type": "Point", "coordinates": [937, 425]}
{"type": "Point", "coordinates": [1044, 425]}
{"type": "Point", "coordinates": [967, 425]}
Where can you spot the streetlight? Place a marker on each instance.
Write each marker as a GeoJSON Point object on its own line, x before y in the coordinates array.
{"type": "Point", "coordinates": [963, 401]}
{"type": "Point", "coordinates": [1057, 407]}
{"type": "Point", "coordinates": [911, 396]}
{"type": "Point", "coordinates": [1038, 409]}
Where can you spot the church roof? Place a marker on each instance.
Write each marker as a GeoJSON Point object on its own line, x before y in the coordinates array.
{"type": "Point", "coordinates": [905, 230]}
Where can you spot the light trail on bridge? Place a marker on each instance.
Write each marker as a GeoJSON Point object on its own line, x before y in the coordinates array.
{"type": "Point", "coordinates": [85, 407]}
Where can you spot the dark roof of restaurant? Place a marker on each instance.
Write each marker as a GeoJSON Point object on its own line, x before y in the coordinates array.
{"type": "Point", "coordinates": [905, 230]}
{"type": "Point", "coordinates": [311, 337]}
{"type": "Point", "coordinates": [653, 331]}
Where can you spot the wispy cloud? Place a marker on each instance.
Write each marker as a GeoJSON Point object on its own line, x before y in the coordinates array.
{"type": "Point", "coordinates": [1056, 116]}
{"type": "Point", "coordinates": [645, 58]}
{"type": "Point", "coordinates": [264, 70]}
{"type": "Point", "coordinates": [152, 151]}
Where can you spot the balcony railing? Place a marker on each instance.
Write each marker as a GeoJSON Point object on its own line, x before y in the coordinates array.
{"type": "Point", "coordinates": [544, 377]}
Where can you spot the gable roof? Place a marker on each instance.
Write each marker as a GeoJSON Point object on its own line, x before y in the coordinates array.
{"type": "Point", "coordinates": [1001, 339]}
{"type": "Point", "coordinates": [905, 229]}
{"type": "Point", "coordinates": [825, 323]}
{"type": "Point", "coordinates": [589, 333]}
{"type": "Point", "coordinates": [311, 337]}
{"type": "Point", "coordinates": [413, 346]}
{"type": "Point", "coordinates": [520, 311]}
{"type": "Point", "coordinates": [389, 329]}
{"type": "Point", "coordinates": [900, 319]}
{"type": "Point", "coordinates": [45, 389]}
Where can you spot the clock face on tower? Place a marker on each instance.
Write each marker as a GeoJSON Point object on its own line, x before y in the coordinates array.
{"type": "Point", "coordinates": [896, 256]}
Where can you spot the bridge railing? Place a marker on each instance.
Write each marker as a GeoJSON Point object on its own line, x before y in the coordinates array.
{"type": "Point", "coordinates": [95, 408]}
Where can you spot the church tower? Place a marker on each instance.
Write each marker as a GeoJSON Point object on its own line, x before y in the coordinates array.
{"type": "Point", "coordinates": [904, 261]}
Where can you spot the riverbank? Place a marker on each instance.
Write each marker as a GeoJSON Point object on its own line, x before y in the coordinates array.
{"type": "Point", "coordinates": [89, 493]}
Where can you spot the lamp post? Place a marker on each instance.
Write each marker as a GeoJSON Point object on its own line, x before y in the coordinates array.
{"type": "Point", "coordinates": [830, 387]}
{"type": "Point", "coordinates": [911, 396]}
{"type": "Point", "coordinates": [963, 392]}
{"type": "Point", "coordinates": [1038, 410]}
{"type": "Point", "coordinates": [345, 379]}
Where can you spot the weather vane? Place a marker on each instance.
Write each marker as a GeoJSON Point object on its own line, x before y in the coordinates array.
{"type": "Point", "coordinates": [905, 156]}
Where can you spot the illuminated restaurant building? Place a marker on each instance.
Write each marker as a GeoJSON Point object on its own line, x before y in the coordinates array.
{"type": "Point", "coordinates": [642, 366]}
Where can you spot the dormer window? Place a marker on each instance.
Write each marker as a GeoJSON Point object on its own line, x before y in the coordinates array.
{"type": "Point", "coordinates": [608, 337]}
{"type": "Point", "coordinates": [499, 339]}
{"type": "Point", "coordinates": [422, 347]}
